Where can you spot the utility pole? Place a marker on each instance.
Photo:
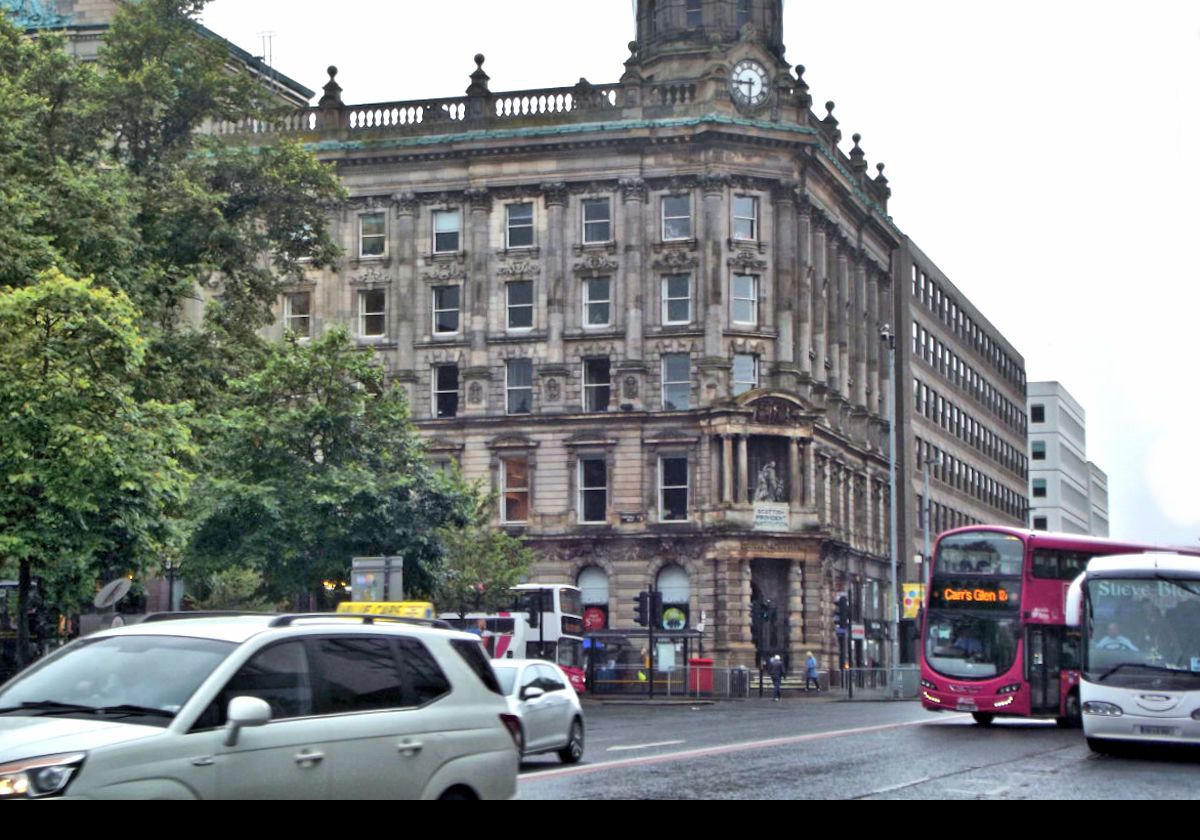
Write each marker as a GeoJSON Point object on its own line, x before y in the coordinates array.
{"type": "Point", "coordinates": [889, 339]}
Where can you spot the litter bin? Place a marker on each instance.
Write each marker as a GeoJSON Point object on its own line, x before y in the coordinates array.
{"type": "Point", "coordinates": [739, 682]}
{"type": "Point", "coordinates": [700, 675]}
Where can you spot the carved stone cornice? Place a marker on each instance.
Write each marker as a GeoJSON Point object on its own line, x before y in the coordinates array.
{"type": "Point", "coordinates": [367, 202]}
{"type": "Point", "coordinates": [785, 192]}
{"type": "Point", "coordinates": [479, 199]}
{"type": "Point", "coordinates": [370, 277]}
{"type": "Point", "coordinates": [632, 190]}
{"type": "Point", "coordinates": [443, 272]}
{"type": "Point", "coordinates": [676, 260]}
{"type": "Point", "coordinates": [598, 263]}
{"type": "Point", "coordinates": [555, 193]}
{"type": "Point", "coordinates": [746, 261]}
{"type": "Point", "coordinates": [715, 183]}
{"type": "Point", "coordinates": [406, 203]}
{"type": "Point", "coordinates": [772, 411]}
{"type": "Point", "coordinates": [519, 269]}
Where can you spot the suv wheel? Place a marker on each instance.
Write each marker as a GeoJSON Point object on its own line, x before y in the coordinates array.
{"type": "Point", "coordinates": [573, 751]}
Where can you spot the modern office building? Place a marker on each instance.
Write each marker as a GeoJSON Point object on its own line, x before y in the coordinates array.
{"type": "Point", "coordinates": [1068, 493]}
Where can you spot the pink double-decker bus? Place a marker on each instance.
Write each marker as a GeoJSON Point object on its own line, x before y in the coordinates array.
{"type": "Point", "coordinates": [995, 640]}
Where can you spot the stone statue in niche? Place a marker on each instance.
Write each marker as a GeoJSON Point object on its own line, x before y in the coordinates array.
{"type": "Point", "coordinates": [631, 388]}
{"type": "Point", "coordinates": [553, 390]}
{"type": "Point", "coordinates": [474, 393]}
{"type": "Point", "coordinates": [768, 487]}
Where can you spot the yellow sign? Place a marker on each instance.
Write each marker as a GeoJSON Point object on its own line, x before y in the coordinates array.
{"type": "Point", "coordinates": [914, 598]}
{"type": "Point", "coordinates": [403, 609]}
{"type": "Point", "coordinates": [977, 595]}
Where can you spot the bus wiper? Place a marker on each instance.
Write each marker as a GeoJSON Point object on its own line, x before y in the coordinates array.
{"type": "Point", "coordinates": [1160, 668]}
{"type": "Point", "coordinates": [1182, 584]}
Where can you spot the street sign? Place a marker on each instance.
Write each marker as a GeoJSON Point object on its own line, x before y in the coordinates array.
{"type": "Point", "coordinates": [858, 631]}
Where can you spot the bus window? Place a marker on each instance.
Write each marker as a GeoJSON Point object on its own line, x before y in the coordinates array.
{"type": "Point", "coordinates": [967, 646]}
{"type": "Point", "coordinates": [980, 553]}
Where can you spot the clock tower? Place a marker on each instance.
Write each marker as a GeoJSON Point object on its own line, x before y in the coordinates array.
{"type": "Point", "coordinates": [738, 44]}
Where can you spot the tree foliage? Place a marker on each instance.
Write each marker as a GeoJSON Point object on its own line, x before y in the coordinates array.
{"type": "Point", "coordinates": [481, 563]}
{"type": "Point", "coordinates": [89, 473]}
{"type": "Point", "coordinates": [316, 463]}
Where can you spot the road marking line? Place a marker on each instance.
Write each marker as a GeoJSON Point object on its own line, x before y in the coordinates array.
{"type": "Point", "coordinates": [646, 746]}
{"type": "Point", "coordinates": [703, 752]}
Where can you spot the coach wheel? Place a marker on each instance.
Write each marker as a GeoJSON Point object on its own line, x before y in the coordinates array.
{"type": "Point", "coordinates": [1072, 719]}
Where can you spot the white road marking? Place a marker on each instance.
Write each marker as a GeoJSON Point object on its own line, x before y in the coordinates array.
{"type": "Point", "coordinates": [645, 746]}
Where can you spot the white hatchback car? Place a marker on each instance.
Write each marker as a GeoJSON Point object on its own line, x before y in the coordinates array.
{"type": "Point", "coordinates": [260, 706]}
{"type": "Point", "coordinates": [540, 694]}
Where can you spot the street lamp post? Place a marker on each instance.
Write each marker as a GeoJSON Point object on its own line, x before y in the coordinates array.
{"type": "Point", "coordinates": [889, 338]}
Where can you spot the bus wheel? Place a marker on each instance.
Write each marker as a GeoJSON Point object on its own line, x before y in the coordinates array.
{"type": "Point", "coordinates": [1103, 746]}
{"type": "Point", "coordinates": [1072, 719]}
{"type": "Point", "coordinates": [983, 718]}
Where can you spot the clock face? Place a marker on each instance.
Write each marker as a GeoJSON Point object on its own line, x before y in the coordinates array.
{"type": "Point", "coordinates": [748, 83]}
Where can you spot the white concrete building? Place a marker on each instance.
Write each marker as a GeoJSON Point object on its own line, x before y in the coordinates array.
{"type": "Point", "coordinates": [1067, 492]}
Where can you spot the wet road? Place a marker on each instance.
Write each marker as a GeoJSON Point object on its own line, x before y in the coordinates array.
{"type": "Point", "coordinates": [836, 750]}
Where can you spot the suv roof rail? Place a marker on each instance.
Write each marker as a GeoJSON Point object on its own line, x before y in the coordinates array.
{"type": "Point", "coordinates": [290, 618]}
{"type": "Point", "coordinates": [176, 616]}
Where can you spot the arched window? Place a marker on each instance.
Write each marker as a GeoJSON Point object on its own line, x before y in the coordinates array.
{"type": "Point", "coordinates": [593, 583]}
{"type": "Point", "coordinates": [675, 587]}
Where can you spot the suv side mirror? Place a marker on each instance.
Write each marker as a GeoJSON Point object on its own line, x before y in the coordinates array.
{"type": "Point", "coordinates": [245, 711]}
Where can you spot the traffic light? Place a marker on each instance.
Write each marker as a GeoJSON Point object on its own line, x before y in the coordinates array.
{"type": "Point", "coordinates": [656, 608]}
{"type": "Point", "coordinates": [841, 612]}
{"type": "Point", "coordinates": [641, 612]}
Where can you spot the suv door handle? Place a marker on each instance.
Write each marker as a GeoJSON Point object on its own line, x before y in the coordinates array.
{"type": "Point", "coordinates": [309, 759]}
{"type": "Point", "coordinates": [410, 748]}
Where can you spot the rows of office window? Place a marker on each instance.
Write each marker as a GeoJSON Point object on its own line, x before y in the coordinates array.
{"type": "Point", "coordinates": [960, 476]}
{"type": "Point", "coordinates": [596, 224]}
{"type": "Point", "coordinates": [956, 370]}
{"type": "Point", "coordinates": [936, 408]}
{"type": "Point", "coordinates": [592, 489]}
{"type": "Point", "coordinates": [941, 518]}
{"type": "Point", "coordinates": [597, 395]}
{"type": "Point", "coordinates": [677, 307]}
{"type": "Point", "coordinates": [927, 292]}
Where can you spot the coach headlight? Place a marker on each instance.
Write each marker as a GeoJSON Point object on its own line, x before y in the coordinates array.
{"type": "Point", "coordinates": [34, 778]}
{"type": "Point", "coordinates": [1095, 707]}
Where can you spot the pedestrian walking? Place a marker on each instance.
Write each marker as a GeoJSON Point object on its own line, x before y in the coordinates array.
{"type": "Point", "coordinates": [775, 672]}
{"type": "Point", "coordinates": [810, 672]}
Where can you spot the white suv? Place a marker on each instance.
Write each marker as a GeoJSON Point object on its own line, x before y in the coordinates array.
{"type": "Point", "coordinates": [279, 707]}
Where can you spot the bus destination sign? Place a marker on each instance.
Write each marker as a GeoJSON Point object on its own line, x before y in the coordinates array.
{"type": "Point", "coordinates": [974, 595]}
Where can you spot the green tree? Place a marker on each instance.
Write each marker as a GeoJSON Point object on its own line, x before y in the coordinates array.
{"type": "Point", "coordinates": [89, 473]}
{"type": "Point", "coordinates": [315, 463]}
{"type": "Point", "coordinates": [481, 563]}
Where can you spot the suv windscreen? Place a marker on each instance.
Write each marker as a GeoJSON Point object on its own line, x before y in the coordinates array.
{"type": "Point", "coordinates": [123, 673]}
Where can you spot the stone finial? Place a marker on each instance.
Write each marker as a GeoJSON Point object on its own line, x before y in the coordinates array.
{"type": "Point", "coordinates": [858, 158]}
{"type": "Point", "coordinates": [333, 91]}
{"type": "Point", "coordinates": [633, 53]}
{"type": "Point", "coordinates": [881, 184]}
{"type": "Point", "coordinates": [802, 97]}
{"type": "Point", "coordinates": [479, 79]}
{"type": "Point", "coordinates": [830, 122]}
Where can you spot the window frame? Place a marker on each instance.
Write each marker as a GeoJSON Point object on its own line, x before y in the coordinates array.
{"type": "Point", "coordinates": [606, 221]}
{"type": "Point", "coordinates": [582, 489]}
{"type": "Point", "coordinates": [507, 489]}
{"type": "Point", "coordinates": [753, 300]}
{"type": "Point", "coordinates": [364, 313]}
{"type": "Point", "coordinates": [587, 302]}
{"type": "Point", "coordinates": [510, 227]}
{"type": "Point", "coordinates": [363, 236]}
{"type": "Point", "coordinates": [437, 308]}
{"type": "Point", "coordinates": [438, 391]}
{"type": "Point", "coordinates": [752, 219]}
{"type": "Point", "coordinates": [289, 316]}
{"type": "Point", "coordinates": [454, 213]}
{"type": "Point", "coordinates": [509, 388]}
{"type": "Point", "coordinates": [591, 388]}
{"type": "Point", "coordinates": [664, 488]}
{"type": "Point", "coordinates": [663, 217]}
{"type": "Point", "coordinates": [667, 299]}
{"type": "Point", "coordinates": [510, 307]}
{"type": "Point", "coordinates": [755, 365]}
{"type": "Point", "coordinates": [686, 382]}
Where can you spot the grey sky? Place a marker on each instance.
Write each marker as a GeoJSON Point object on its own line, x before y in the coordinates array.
{"type": "Point", "coordinates": [1043, 154]}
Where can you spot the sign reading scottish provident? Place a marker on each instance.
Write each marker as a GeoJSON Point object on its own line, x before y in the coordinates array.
{"type": "Point", "coordinates": [770, 516]}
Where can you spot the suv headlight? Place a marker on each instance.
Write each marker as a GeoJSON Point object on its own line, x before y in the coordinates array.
{"type": "Point", "coordinates": [32, 778]}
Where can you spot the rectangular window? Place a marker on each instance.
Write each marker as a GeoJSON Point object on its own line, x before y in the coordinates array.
{"type": "Point", "coordinates": [1039, 488]}
{"type": "Point", "coordinates": [445, 391]}
{"type": "Point", "coordinates": [1039, 523]}
{"type": "Point", "coordinates": [597, 220]}
{"type": "Point", "coordinates": [447, 301]}
{"type": "Point", "coordinates": [372, 235]}
{"type": "Point", "coordinates": [519, 301]}
{"type": "Point", "coordinates": [446, 228]}
{"type": "Point", "coordinates": [745, 299]}
{"type": "Point", "coordinates": [676, 381]}
{"type": "Point", "coordinates": [597, 384]}
{"type": "Point", "coordinates": [514, 489]}
{"type": "Point", "coordinates": [676, 217]}
{"type": "Point", "coordinates": [695, 13]}
{"type": "Point", "coordinates": [597, 302]}
{"type": "Point", "coordinates": [1037, 414]}
{"type": "Point", "coordinates": [673, 489]}
{"type": "Point", "coordinates": [743, 13]}
{"type": "Point", "coordinates": [745, 217]}
{"type": "Point", "coordinates": [372, 313]}
{"type": "Point", "coordinates": [745, 373]}
{"type": "Point", "coordinates": [677, 299]}
{"type": "Point", "coordinates": [518, 386]}
{"type": "Point", "coordinates": [297, 314]}
{"type": "Point", "coordinates": [593, 490]}
{"type": "Point", "coordinates": [520, 225]}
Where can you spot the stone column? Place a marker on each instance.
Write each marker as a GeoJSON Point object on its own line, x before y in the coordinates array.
{"type": "Point", "coordinates": [820, 303]}
{"type": "Point", "coordinates": [403, 303]}
{"type": "Point", "coordinates": [727, 468]}
{"type": "Point", "coordinates": [743, 468]}
{"type": "Point", "coordinates": [478, 285]}
{"type": "Point", "coordinates": [633, 282]}
{"type": "Point", "coordinates": [713, 233]}
{"type": "Point", "coordinates": [795, 475]}
{"type": "Point", "coordinates": [810, 474]}
{"type": "Point", "coordinates": [555, 261]}
{"type": "Point", "coordinates": [872, 339]}
{"type": "Point", "coordinates": [861, 327]}
{"type": "Point", "coordinates": [785, 272]}
{"type": "Point", "coordinates": [842, 360]}
{"type": "Point", "coordinates": [805, 270]}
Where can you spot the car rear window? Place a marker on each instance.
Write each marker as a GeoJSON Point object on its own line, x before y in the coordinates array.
{"type": "Point", "coordinates": [472, 652]}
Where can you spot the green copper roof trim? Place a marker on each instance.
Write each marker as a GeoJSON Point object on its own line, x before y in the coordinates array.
{"type": "Point", "coordinates": [552, 131]}
{"type": "Point", "coordinates": [30, 15]}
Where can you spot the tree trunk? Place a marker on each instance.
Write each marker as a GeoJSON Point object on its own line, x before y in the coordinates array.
{"type": "Point", "coordinates": [23, 587]}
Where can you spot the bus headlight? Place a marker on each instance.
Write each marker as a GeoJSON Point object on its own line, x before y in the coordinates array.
{"type": "Point", "coordinates": [1095, 707]}
{"type": "Point", "coordinates": [928, 684]}
{"type": "Point", "coordinates": [1011, 688]}
{"type": "Point", "coordinates": [36, 777]}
